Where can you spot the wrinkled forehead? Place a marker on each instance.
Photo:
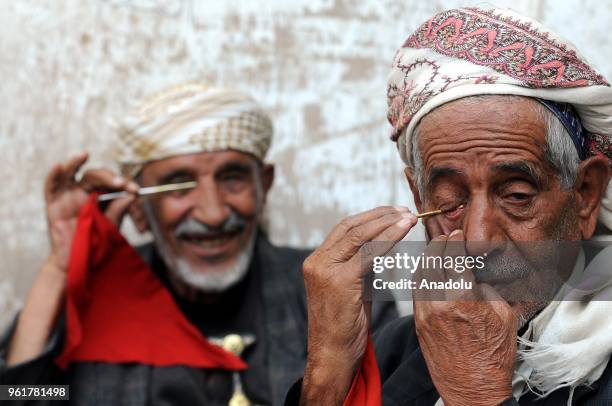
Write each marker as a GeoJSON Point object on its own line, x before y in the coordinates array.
{"type": "Point", "coordinates": [493, 126]}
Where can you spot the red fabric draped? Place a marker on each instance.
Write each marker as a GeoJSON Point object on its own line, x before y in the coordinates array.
{"type": "Point", "coordinates": [117, 310]}
{"type": "Point", "coordinates": [366, 389]}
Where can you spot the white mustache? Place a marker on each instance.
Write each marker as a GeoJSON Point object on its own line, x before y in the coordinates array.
{"type": "Point", "coordinates": [234, 223]}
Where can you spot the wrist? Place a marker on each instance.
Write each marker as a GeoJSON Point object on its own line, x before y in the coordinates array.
{"type": "Point", "coordinates": [54, 265]}
{"type": "Point", "coordinates": [53, 275]}
{"type": "Point", "coordinates": [476, 398]}
{"type": "Point", "coordinates": [328, 377]}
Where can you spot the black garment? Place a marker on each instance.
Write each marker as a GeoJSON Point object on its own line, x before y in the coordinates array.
{"type": "Point", "coordinates": [270, 303]}
{"type": "Point", "coordinates": [239, 310]}
{"type": "Point", "coordinates": [406, 382]}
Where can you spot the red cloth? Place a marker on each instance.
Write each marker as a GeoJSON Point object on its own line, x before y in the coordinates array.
{"type": "Point", "coordinates": [118, 311]}
{"type": "Point", "coordinates": [366, 389]}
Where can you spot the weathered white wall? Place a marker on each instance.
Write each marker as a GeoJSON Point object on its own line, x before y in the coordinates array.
{"type": "Point", "coordinates": [319, 65]}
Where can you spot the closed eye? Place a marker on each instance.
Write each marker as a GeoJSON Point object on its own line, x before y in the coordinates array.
{"type": "Point", "coordinates": [517, 191]}
{"type": "Point", "coordinates": [518, 197]}
{"type": "Point", "coordinates": [455, 213]}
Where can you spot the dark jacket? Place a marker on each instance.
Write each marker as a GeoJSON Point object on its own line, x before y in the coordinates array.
{"type": "Point", "coordinates": [406, 381]}
{"type": "Point", "coordinates": [282, 336]}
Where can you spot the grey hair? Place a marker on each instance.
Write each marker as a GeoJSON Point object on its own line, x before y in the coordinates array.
{"type": "Point", "coordinates": [559, 151]}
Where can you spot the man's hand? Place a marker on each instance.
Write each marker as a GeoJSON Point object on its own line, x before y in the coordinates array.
{"type": "Point", "coordinates": [337, 317]}
{"type": "Point", "coordinates": [468, 338]}
{"type": "Point", "coordinates": [64, 197]}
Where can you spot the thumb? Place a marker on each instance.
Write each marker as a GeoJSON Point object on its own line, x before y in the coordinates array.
{"type": "Point", "coordinates": [498, 304]}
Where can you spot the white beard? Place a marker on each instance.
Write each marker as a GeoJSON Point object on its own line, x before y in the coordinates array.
{"type": "Point", "coordinates": [210, 280]}
{"type": "Point", "coordinates": [214, 280]}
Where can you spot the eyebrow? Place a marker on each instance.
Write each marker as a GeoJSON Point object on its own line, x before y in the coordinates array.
{"type": "Point", "coordinates": [519, 167]}
{"type": "Point", "coordinates": [234, 166]}
{"type": "Point", "coordinates": [170, 177]}
{"type": "Point", "coordinates": [523, 168]}
{"type": "Point", "coordinates": [188, 172]}
{"type": "Point", "coordinates": [440, 172]}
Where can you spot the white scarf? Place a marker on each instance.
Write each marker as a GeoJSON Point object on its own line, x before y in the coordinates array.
{"type": "Point", "coordinates": [570, 342]}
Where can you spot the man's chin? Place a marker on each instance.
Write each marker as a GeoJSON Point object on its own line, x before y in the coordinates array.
{"type": "Point", "coordinates": [212, 265]}
{"type": "Point", "coordinates": [216, 275]}
{"type": "Point", "coordinates": [210, 279]}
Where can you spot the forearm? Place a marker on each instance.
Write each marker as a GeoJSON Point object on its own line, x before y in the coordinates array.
{"type": "Point", "coordinates": [36, 321]}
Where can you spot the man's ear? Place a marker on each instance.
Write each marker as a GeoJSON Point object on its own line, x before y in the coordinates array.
{"type": "Point", "coordinates": [267, 177]}
{"type": "Point", "coordinates": [590, 186]}
{"type": "Point", "coordinates": [413, 187]}
{"type": "Point", "coordinates": [137, 214]}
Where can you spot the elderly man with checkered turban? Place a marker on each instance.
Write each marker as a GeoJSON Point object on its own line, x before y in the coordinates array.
{"type": "Point", "coordinates": [143, 333]}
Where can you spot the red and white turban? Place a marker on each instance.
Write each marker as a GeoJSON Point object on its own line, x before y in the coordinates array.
{"type": "Point", "coordinates": [472, 51]}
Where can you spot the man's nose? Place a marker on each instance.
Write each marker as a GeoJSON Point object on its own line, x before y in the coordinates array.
{"type": "Point", "coordinates": [209, 206]}
{"type": "Point", "coordinates": [481, 229]}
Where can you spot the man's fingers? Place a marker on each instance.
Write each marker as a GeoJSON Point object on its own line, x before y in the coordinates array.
{"type": "Point", "coordinates": [339, 232]}
{"type": "Point", "coordinates": [436, 246]}
{"type": "Point", "coordinates": [72, 166]}
{"type": "Point", "coordinates": [387, 238]}
{"type": "Point", "coordinates": [117, 209]}
{"type": "Point", "coordinates": [430, 269]}
{"type": "Point", "coordinates": [53, 180]}
{"type": "Point", "coordinates": [104, 179]}
{"type": "Point", "coordinates": [138, 217]}
{"type": "Point", "coordinates": [398, 230]}
{"type": "Point", "coordinates": [63, 173]}
{"type": "Point", "coordinates": [436, 226]}
{"type": "Point", "coordinates": [382, 243]}
{"type": "Point", "coordinates": [455, 243]}
{"type": "Point", "coordinates": [498, 304]}
{"type": "Point", "coordinates": [433, 271]}
{"type": "Point", "coordinates": [390, 227]}
{"type": "Point", "coordinates": [455, 247]}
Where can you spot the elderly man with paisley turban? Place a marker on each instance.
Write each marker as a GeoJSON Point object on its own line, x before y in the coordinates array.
{"type": "Point", "coordinates": [215, 314]}
{"type": "Point", "coordinates": [507, 130]}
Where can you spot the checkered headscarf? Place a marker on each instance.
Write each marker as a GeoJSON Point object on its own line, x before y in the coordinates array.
{"type": "Point", "coordinates": [191, 118]}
